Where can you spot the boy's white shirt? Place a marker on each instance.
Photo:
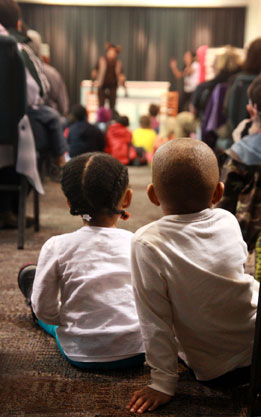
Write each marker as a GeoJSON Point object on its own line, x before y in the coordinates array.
{"type": "Point", "coordinates": [192, 296]}
{"type": "Point", "coordinates": [96, 316]}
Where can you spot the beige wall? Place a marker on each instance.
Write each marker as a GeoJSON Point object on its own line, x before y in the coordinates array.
{"type": "Point", "coordinates": [253, 21]}
{"type": "Point", "coordinates": [149, 3]}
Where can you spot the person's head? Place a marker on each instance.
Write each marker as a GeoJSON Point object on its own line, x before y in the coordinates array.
{"type": "Point", "coordinates": [145, 122]}
{"type": "Point", "coordinates": [103, 115]}
{"type": "Point", "coordinates": [36, 41]}
{"type": "Point", "coordinates": [229, 61]}
{"type": "Point", "coordinates": [112, 51]}
{"type": "Point", "coordinates": [96, 184]}
{"type": "Point", "coordinates": [153, 110]}
{"type": "Point", "coordinates": [254, 95]}
{"type": "Point", "coordinates": [124, 121]}
{"type": "Point", "coordinates": [252, 63]}
{"type": "Point", "coordinates": [79, 112]}
{"type": "Point", "coordinates": [10, 14]}
{"type": "Point", "coordinates": [185, 177]}
{"type": "Point", "coordinates": [189, 57]}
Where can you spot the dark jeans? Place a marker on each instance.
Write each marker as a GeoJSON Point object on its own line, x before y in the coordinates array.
{"type": "Point", "coordinates": [107, 93]}
{"type": "Point", "coordinates": [47, 130]}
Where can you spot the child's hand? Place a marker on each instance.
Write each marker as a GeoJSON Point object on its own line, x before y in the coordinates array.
{"type": "Point", "coordinates": [147, 399]}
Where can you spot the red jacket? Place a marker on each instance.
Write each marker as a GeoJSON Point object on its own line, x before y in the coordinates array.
{"type": "Point", "coordinates": [118, 143]}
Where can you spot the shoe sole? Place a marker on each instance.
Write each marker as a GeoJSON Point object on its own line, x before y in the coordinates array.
{"type": "Point", "coordinates": [20, 279]}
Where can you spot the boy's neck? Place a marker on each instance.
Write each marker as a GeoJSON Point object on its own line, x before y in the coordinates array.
{"type": "Point", "coordinates": [180, 211]}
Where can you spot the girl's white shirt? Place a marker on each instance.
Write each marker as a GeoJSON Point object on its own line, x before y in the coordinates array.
{"type": "Point", "coordinates": [83, 285]}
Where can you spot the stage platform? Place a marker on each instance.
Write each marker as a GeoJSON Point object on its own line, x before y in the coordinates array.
{"type": "Point", "coordinates": [140, 94]}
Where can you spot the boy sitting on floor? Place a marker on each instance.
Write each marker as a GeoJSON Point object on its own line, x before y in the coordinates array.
{"type": "Point", "coordinates": [193, 298]}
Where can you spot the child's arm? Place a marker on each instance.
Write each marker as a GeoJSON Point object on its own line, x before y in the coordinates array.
{"type": "Point", "coordinates": [156, 321]}
{"type": "Point", "coordinates": [45, 301]}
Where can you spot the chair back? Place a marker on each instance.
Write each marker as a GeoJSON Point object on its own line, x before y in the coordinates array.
{"type": "Point", "coordinates": [12, 90]}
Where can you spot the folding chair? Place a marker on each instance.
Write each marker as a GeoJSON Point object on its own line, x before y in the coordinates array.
{"type": "Point", "coordinates": [12, 109]}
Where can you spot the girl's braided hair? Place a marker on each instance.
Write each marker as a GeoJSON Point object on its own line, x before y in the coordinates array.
{"type": "Point", "coordinates": [94, 183]}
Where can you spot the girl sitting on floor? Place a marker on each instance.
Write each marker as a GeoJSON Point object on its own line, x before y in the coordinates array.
{"type": "Point", "coordinates": [81, 289]}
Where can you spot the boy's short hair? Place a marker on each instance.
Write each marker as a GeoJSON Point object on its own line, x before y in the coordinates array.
{"type": "Point", "coordinates": [10, 13]}
{"type": "Point", "coordinates": [185, 175]}
{"type": "Point", "coordinates": [254, 92]}
{"type": "Point", "coordinates": [145, 122]}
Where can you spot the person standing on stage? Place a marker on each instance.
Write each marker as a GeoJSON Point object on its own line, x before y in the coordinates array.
{"type": "Point", "coordinates": [108, 74]}
{"type": "Point", "coordinates": [190, 73]}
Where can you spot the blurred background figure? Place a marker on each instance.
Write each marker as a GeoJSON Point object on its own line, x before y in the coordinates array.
{"type": "Point", "coordinates": [57, 96]}
{"type": "Point", "coordinates": [82, 136]}
{"type": "Point", "coordinates": [108, 75]}
{"type": "Point", "coordinates": [190, 74]}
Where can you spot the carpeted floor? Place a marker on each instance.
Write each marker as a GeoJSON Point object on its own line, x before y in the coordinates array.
{"type": "Point", "coordinates": [37, 381]}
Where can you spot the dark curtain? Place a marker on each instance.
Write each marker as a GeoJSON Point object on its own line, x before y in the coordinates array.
{"type": "Point", "coordinates": [149, 37]}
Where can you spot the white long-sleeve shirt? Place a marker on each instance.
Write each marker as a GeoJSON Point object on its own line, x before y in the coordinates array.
{"type": "Point", "coordinates": [96, 313]}
{"type": "Point", "coordinates": [192, 295]}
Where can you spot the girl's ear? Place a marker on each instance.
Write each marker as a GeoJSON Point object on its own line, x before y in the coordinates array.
{"type": "Point", "coordinates": [68, 204]}
{"type": "Point", "coordinates": [218, 193]}
{"type": "Point", "coordinates": [152, 195]}
{"type": "Point", "coordinates": [127, 198]}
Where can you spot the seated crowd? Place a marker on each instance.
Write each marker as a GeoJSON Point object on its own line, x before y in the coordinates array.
{"type": "Point", "coordinates": [167, 293]}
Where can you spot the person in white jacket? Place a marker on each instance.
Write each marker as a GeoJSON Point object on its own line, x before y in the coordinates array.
{"type": "Point", "coordinates": [194, 300]}
{"type": "Point", "coordinates": [81, 290]}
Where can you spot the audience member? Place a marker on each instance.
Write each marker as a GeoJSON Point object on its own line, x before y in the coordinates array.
{"type": "Point", "coordinates": [153, 113]}
{"type": "Point", "coordinates": [191, 297]}
{"type": "Point", "coordinates": [82, 136]}
{"type": "Point", "coordinates": [226, 65]}
{"type": "Point", "coordinates": [241, 173]}
{"type": "Point", "coordinates": [57, 96]}
{"type": "Point", "coordinates": [238, 98]}
{"type": "Point", "coordinates": [187, 123]}
{"type": "Point", "coordinates": [95, 324]}
{"type": "Point", "coordinates": [190, 73]}
{"type": "Point", "coordinates": [44, 120]}
{"type": "Point", "coordinates": [144, 136]}
{"type": "Point", "coordinates": [103, 118]}
{"type": "Point", "coordinates": [119, 141]}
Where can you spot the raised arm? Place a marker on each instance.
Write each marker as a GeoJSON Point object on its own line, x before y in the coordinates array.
{"type": "Point", "coordinates": [174, 68]}
{"type": "Point", "coordinates": [155, 315]}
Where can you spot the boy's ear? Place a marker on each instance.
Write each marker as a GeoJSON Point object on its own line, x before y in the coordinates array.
{"type": "Point", "coordinates": [152, 195]}
{"type": "Point", "coordinates": [127, 198]}
{"type": "Point", "coordinates": [219, 191]}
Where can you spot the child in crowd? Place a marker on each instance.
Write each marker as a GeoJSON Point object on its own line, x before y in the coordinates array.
{"type": "Point", "coordinates": [144, 137]}
{"type": "Point", "coordinates": [104, 117]}
{"type": "Point", "coordinates": [241, 172]}
{"type": "Point", "coordinates": [94, 320]}
{"type": "Point", "coordinates": [119, 141]}
{"type": "Point", "coordinates": [153, 113]}
{"type": "Point", "coordinates": [82, 136]}
{"type": "Point", "coordinates": [193, 299]}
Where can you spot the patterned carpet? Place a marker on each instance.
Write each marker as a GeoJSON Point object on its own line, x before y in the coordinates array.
{"type": "Point", "coordinates": [37, 381]}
